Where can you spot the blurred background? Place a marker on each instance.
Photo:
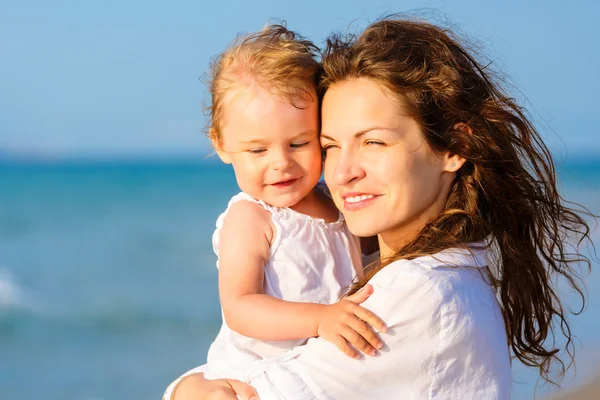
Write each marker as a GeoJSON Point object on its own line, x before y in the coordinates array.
{"type": "Point", "coordinates": [108, 196]}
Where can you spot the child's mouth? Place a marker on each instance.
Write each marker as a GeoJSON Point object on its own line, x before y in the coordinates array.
{"type": "Point", "coordinates": [285, 183]}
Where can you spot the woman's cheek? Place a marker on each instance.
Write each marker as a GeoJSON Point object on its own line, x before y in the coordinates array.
{"type": "Point", "coordinates": [381, 164]}
{"type": "Point", "coordinates": [329, 168]}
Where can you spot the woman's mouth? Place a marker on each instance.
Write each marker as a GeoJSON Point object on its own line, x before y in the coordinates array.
{"type": "Point", "coordinates": [357, 201]}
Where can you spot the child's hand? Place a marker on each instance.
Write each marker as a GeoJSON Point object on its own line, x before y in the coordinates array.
{"type": "Point", "coordinates": [345, 323]}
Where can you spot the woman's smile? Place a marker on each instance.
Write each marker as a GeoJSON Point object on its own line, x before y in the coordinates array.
{"type": "Point", "coordinates": [354, 201]}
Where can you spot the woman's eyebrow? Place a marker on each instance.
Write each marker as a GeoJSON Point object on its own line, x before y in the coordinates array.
{"type": "Point", "coordinates": [361, 132]}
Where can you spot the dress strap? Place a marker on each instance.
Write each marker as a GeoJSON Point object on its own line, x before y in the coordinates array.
{"type": "Point", "coordinates": [274, 211]}
{"type": "Point", "coordinates": [246, 197]}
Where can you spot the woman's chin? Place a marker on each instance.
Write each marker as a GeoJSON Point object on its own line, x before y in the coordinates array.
{"type": "Point", "coordinates": [362, 228]}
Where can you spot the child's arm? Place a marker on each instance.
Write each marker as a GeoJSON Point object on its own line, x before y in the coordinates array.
{"type": "Point", "coordinates": [244, 248]}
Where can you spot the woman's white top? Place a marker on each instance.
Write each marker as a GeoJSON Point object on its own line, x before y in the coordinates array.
{"type": "Point", "coordinates": [310, 261]}
{"type": "Point", "coordinates": [446, 340]}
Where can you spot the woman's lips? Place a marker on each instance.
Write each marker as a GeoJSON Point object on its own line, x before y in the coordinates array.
{"type": "Point", "coordinates": [358, 201]}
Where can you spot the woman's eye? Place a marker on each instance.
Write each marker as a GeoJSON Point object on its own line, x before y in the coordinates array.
{"type": "Point", "coordinates": [256, 151]}
{"type": "Point", "coordinates": [298, 145]}
{"type": "Point", "coordinates": [374, 142]}
{"type": "Point", "coordinates": [327, 147]}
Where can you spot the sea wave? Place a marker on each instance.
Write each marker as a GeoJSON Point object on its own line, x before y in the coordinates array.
{"type": "Point", "coordinates": [20, 321]}
{"type": "Point", "coordinates": [21, 307]}
{"type": "Point", "coordinates": [16, 323]}
{"type": "Point", "coordinates": [11, 295]}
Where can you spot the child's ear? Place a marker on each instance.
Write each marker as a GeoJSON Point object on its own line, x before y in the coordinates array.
{"type": "Point", "coordinates": [218, 146]}
{"type": "Point", "coordinates": [453, 162]}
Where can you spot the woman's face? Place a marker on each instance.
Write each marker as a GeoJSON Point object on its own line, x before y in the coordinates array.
{"type": "Point", "coordinates": [382, 174]}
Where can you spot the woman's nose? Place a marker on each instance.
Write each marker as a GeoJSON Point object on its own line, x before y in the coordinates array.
{"type": "Point", "coordinates": [347, 168]}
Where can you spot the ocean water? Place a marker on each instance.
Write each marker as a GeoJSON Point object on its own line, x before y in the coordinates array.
{"type": "Point", "coordinates": [108, 280]}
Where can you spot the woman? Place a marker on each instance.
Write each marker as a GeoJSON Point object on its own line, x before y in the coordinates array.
{"type": "Point", "coordinates": [426, 152]}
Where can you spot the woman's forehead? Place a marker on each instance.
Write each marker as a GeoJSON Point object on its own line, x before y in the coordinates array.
{"type": "Point", "coordinates": [360, 105]}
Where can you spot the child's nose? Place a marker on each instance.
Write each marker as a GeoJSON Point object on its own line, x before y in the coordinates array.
{"type": "Point", "coordinates": [282, 160]}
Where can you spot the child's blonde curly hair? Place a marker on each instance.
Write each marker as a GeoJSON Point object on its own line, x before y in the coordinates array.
{"type": "Point", "coordinates": [275, 58]}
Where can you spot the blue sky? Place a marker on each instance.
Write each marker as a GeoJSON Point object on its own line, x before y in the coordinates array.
{"type": "Point", "coordinates": [121, 78]}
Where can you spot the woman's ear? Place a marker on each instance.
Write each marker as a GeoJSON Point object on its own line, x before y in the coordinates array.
{"type": "Point", "coordinates": [453, 162]}
{"type": "Point", "coordinates": [217, 143]}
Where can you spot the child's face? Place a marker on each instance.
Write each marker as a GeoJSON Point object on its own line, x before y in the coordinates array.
{"type": "Point", "coordinates": [273, 146]}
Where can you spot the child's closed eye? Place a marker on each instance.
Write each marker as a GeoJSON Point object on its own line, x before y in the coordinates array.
{"type": "Point", "coordinates": [298, 145]}
{"type": "Point", "coordinates": [257, 150]}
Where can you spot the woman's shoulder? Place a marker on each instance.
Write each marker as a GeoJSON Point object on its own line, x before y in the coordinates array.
{"type": "Point", "coordinates": [447, 273]}
{"type": "Point", "coordinates": [448, 297]}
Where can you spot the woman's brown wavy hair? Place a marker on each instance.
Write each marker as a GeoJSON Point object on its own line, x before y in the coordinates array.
{"type": "Point", "coordinates": [506, 190]}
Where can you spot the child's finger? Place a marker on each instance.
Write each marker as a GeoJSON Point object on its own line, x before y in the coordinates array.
{"type": "Point", "coordinates": [361, 295]}
{"type": "Point", "coordinates": [367, 334]}
{"type": "Point", "coordinates": [343, 345]}
{"type": "Point", "coordinates": [358, 341]}
{"type": "Point", "coordinates": [370, 318]}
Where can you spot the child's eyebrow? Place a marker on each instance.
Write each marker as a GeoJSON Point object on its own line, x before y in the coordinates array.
{"type": "Point", "coordinates": [309, 132]}
{"type": "Point", "coordinates": [263, 141]}
{"type": "Point", "coordinates": [253, 141]}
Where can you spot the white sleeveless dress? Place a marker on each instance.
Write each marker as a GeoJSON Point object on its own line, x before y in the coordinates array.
{"type": "Point", "coordinates": [310, 261]}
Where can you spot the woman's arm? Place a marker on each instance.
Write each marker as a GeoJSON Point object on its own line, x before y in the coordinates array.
{"type": "Point", "coordinates": [195, 387]}
{"type": "Point", "coordinates": [411, 308]}
{"type": "Point", "coordinates": [318, 370]}
{"type": "Point", "coordinates": [446, 339]}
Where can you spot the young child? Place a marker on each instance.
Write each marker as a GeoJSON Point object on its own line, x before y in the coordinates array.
{"type": "Point", "coordinates": [284, 252]}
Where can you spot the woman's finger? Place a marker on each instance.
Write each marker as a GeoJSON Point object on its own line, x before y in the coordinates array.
{"type": "Point", "coordinates": [219, 393]}
{"type": "Point", "coordinates": [243, 390]}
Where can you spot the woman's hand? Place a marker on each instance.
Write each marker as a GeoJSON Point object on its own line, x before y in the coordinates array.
{"type": "Point", "coordinates": [196, 387]}
{"type": "Point", "coordinates": [345, 323]}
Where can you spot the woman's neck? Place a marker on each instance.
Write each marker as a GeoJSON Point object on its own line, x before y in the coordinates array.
{"type": "Point", "coordinates": [396, 237]}
{"type": "Point", "coordinates": [387, 248]}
